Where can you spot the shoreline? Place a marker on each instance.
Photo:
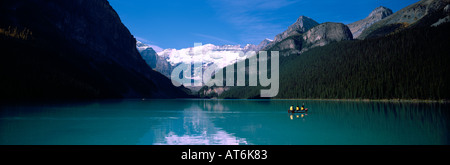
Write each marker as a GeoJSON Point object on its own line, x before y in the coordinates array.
{"type": "Point", "coordinates": [355, 100]}
{"type": "Point", "coordinates": [378, 100]}
{"type": "Point", "coordinates": [293, 99]}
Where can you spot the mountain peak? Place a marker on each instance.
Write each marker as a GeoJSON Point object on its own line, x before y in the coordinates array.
{"type": "Point", "coordinates": [141, 46]}
{"type": "Point", "coordinates": [381, 12]}
{"type": "Point", "coordinates": [376, 15]}
{"type": "Point", "coordinates": [304, 18]}
{"type": "Point", "coordinates": [300, 26]}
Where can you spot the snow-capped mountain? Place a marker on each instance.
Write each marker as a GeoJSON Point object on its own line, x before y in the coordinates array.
{"type": "Point", "coordinates": [208, 54]}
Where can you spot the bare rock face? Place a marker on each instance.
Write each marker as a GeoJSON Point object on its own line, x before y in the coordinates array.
{"type": "Point", "coordinates": [325, 33]}
{"type": "Point", "coordinates": [300, 26]}
{"type": "Point", "coordinates": [319, 35]}
{"type": "Point", "coordinates": [287, 44]}
{"type": "Point", "coordinates": [286, 47]}
{"type": "Point", "coordinates": [156, 62]}
{"type": "Point", "coordinates": [376, 15]}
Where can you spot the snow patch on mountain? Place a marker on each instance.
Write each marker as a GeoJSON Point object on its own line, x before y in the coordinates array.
{"type": "Point", "coordinates": [208, 54]}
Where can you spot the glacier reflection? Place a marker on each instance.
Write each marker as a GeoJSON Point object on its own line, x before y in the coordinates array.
{"type": "Point", "coordinates": [218, 138]}
{"type": "Point", "coordinates": [192, 126]}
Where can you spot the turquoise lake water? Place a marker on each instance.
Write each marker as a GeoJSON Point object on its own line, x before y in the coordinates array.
{"type": "Point", "coordinates": [227, 122]}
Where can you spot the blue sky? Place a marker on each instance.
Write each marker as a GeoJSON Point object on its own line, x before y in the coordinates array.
{"type": "Point", "coordinates": [180, 23]}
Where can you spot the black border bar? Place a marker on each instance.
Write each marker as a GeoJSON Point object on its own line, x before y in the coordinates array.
{"type": "Point", "coordinates": [275, 153]}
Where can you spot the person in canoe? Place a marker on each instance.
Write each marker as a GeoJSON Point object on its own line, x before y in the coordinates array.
{"type": "Point", "coordinates": [297, 108]}
{"type": "Point", "coordinates": [303, 108]}
{"type": "Point", "coordinates": [291, 108]}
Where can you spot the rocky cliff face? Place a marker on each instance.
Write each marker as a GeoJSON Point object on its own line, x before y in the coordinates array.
{"type": "Point", "coordinates": [325, 33]}
{"type": "Point", "coordinates": [376, 15]}
{"type": "Point", "coordinates": [78, 49]}
{"type": "Point", "coordinates": [288, 46]}
{"type": "Point", "coordinates": [319, 35]}
{"type": "Point", "coordinates": [150, 57]}
{"type": "Point", "coordinates": [156, 62]}
{"type": "Point", "coordinates": [300, 26]}
{"type": "Point", "coordinates": [413, 15]}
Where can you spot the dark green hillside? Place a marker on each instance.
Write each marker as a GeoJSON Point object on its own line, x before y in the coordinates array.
{"type": "Point", "coordinates": [411, 64]}
{"type": "Point", "coordinates": [72, 50]}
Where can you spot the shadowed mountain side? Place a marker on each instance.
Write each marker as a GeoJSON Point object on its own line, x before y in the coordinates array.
{"type": "Point", "coordinates": [422, 13]}
{"type": "Point", "coordinates": [156, 62]}
{"type": "Point", "coordinates": [73, 49]}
